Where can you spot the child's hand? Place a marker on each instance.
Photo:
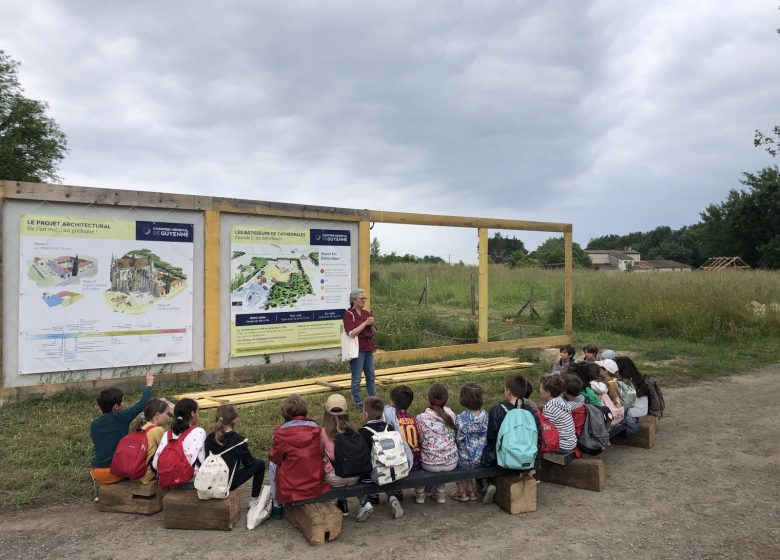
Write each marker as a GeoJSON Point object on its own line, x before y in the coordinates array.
{"type": "Point", "coordinates": [149, 379]}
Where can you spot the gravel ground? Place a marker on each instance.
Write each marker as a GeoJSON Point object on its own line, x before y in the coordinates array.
{"type": "Point", "coordinates": [707, 490]}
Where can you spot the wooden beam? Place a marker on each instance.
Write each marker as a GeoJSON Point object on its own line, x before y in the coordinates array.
{"type": "Point", "coordinates": [464, 221]}
{"type": "Point", "coordinates": [364, 259]}
{"type": "Point", "coordinates": [211, 291]}
{"type": "Point", "coordinates": [439, 352]}
{"type": "Point", "coordinates": [4, 283]}
{"type": "Point", "coordinates": [644, 438]}
{"type": "Point", "coordinates": [584, 473]}
{"type": "Point", "coordinates": [567, 284]}
{"type": "Point", "coordinates": [482, 313]}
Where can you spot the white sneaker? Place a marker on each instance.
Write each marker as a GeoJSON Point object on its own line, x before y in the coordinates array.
{"type": "Point", "coordinates": [260, 510]}
{"type": "Point", "coordinates": [419, 498]}
{"type": "Point", "coordinates": [440, 498]}
{"type": "Point", "coordinates": [365, 510]}
{"type": "Point", "coordinates": [395, 505]}
{"type": "Point", "coordinates": [490, 492]}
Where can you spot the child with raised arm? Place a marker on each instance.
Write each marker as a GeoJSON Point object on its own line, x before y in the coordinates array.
{"type": "Point", "coordinates": [107, 429]}
{"type": "Point", "coordinates": [472, 437]}
{"type": "Point", "coordinates": [240, 462]}
{"type": "Point", "coordinates": [438, 429]}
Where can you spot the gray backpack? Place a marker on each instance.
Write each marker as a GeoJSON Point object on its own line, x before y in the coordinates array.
{"type": "Point", "coordinates": [595, 436]}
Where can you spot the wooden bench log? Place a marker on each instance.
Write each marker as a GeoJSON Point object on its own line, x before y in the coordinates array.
{"type": "Point", "coordinates": [515, 494]}
{"type": "Point", "coordinates": [585, 473]}
{"type": "Point", "coordinates": [644, 438]}
{"type": "Point", "coordinates": [318, 523]}
{"type": "Point", "coordinates": [182, 509]}
{"type": "Point", "coordinates": [130, 496]}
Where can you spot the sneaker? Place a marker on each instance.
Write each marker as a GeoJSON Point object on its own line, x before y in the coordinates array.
{"type": "Point", "coordinates": [473, 497]}
{"type": "Point", "coordinates": [343, 507]}
{"type": "Point", "coordinates": [419, 498]}
{"type": "Point", "coordinates": [461, 497]}
{"type": "Point", "coordinates": [260, 510]}
{"type": "Point", "coordinates": [490, 492]}
{"type": "Point", "coordinates": [440, 498]}
{"type": "Point", "coordinates": [365, 510]}
{"type": "Point", "coordinates": [277, 512]}
{"type": "Point", "coordinates": [395, 505]}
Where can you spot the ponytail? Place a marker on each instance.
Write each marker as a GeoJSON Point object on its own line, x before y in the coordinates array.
{"type": "Point", "coordinates": [226, 416]}
{"type": "Point", "coordinates": [437, 397]}
{"type": "Point", "coordinates": [182, 415]}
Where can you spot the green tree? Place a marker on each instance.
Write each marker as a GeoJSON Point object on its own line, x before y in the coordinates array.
{"type": "Point", "coordinates": [500, 248]}
{"type": "Point", "coordinates": [746, 223]}
{"type": "Point", "coordinates": [31, 143]}
{"type": "Point", "coordinates": [552, 252]}
{"type": "Point", "coordinates": [770, 142]}
{"type": "Point", "coordinates": [374, 249]}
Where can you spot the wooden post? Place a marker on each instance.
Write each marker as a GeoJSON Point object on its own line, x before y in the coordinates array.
{"type": "Point", "coordinates": [567, 284]}
{"type": "Point", "coordinates": [211, 291]}
{"type": "Point", "coordinates": [482, 336]}
{"type": "Point", "coordinates": [364, 259]}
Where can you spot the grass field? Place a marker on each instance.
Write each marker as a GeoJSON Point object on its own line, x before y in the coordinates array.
{"type": "Point", "coordinates": [678, 327]}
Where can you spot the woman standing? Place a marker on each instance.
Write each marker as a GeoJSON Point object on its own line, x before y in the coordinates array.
{"type": "Point", "coordinates": [358, 322]}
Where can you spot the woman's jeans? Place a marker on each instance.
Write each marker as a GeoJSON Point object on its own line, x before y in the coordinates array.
{"type": "Point", "coordinates": [364, 362]}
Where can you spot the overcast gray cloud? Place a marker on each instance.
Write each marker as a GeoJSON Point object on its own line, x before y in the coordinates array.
{"type": "Point", "coordinates": [615, 116]}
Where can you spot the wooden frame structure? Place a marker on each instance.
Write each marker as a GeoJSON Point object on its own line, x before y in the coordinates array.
{"type": "Point", "coordinates": [212, 209]}
{"type": "Point", "coordinates": [725, 263]}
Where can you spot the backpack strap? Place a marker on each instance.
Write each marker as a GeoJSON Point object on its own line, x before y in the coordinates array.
{"type": "Point", "coordinates": [372, 430]}
{"type": "Point", "coordinates": [231, 448]}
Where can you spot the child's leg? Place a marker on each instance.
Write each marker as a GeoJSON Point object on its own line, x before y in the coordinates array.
{"type": "Point", "coordinates": [462, 488]}
{"type": "Point", "coordinates": [272, 480]}
{"type": "Point", "coordinates": [256, 472]}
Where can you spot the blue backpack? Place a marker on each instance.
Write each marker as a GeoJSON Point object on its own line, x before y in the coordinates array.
{"type": "Point", "coordinates": [517, 440]}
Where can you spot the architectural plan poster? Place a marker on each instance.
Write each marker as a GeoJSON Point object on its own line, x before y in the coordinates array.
{"type": "Point", "coordinates": [288, 288]}
{"type": "Point", "coordinates": [99, 293]}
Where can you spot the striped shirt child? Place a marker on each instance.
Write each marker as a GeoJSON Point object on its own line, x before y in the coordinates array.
{"type": "Point", "coordinates": [557, 412]}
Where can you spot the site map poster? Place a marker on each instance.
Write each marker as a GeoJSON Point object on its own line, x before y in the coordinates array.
{"type": "Point", "coordinates": [289, 288]}
{"type": "Point", "coordinates": [97, 293]}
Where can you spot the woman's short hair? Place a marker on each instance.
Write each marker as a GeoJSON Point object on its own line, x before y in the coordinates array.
{"type": "Point", "coordinates": [353, 295]}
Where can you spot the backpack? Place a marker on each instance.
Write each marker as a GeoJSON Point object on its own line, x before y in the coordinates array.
{"type": "Point", "coordinates": [627, 395]}
{"type": "Point", "coordinates": [351, 455]}
{"type": "Point", "coordinates": [214, 478]}
{"type": "Point", "coordinates": [551, 439]}
{"type": "Point", "coordinates": [130, 456]}
{"type": "Point", "coordinates": [655, 400]}
{"type": "Point", "coordinates": [173, 467]}
{"type": "Point", "coordinates": [388, 457]}
{"type": "Point", "coordinates": [516, 446]}
{"type": "Point", "coordinates": [594, 436]}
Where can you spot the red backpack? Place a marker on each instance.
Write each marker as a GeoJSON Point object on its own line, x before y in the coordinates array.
{"type": "Point", "coordinates": [173, 467]}
{"type": "Point", "coordinates": [130, 456]}
{"type": "Point", "coordinates": [551, 440]}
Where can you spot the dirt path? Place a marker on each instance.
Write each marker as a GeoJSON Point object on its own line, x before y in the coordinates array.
{"type": "Point", "coordinates": [707, 490]}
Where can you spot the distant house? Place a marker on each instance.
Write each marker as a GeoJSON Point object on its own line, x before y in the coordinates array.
{"type": "Point", "coordinates": [630, 260]}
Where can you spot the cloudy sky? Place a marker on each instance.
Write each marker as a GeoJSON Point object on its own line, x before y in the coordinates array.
{"type": "Point", "coordinates": [615, 116]}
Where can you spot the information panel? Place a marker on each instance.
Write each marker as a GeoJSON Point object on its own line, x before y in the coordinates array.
{"type": "Point", "coordinates": [99, 293]}
{"type": "Point", "coordinates": [289, 288]}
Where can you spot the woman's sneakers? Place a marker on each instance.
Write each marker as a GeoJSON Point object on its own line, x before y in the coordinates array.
{"type": "Point", "coordinates": [395, 505]}
{"type": "Point", "coordinates": [365, 511]}
{"type": "Point", "coordinates": [259, 508]}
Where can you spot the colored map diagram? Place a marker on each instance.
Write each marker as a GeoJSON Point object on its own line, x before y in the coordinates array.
{"type": "Point", "coordinates": [266, 282]}
{"type": "Point", "coordinates": [63, 270]}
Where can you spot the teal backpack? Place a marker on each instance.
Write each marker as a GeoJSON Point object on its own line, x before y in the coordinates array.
{"type": "Point", "coordinates": [517, 440]}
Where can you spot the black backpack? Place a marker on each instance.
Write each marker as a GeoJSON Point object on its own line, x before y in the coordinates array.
{"type": "Point", "coordinates": [351, 455]}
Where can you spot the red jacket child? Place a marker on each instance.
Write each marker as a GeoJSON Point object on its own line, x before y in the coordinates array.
{"type": "Point", "coordinates": [297, 453]}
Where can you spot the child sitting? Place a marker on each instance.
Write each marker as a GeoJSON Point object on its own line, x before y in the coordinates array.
{"type": "Point", "coordinates": [572, 394]}
{"type": "Point", "coordinates": [373, 409]}
{"type": "Point", "coordinates": [221, 440]}
{"type": "Point", "coordinates": [567, 357]}
{"type": "Point", "coordinates": [471, 439]}
{"type": "Point", "coordinates": [107, 429]}
{"type": "Point", "coordinates": [438, 449]}
{"type": "Point", "coordinates": [295, 470]}
{"type": "Point", "coordinates": [607, 390]}
{"type": "Point", "coordinates": [628, 373]}
{"type": "Point", "coordinates": [335, 421]}
{"type": "Point", "coordinates": [185, 426]}
{"type": "Point", "coordinates": [557, 411]}
{"type": "Point", "coordinates": [397, 416]}
{"type": "Point", "coordinates": [515, 386]}
{"type": "Point", "coordinates": [156, 414]}
{"type": "Point", "coordinates": [590, 353]}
